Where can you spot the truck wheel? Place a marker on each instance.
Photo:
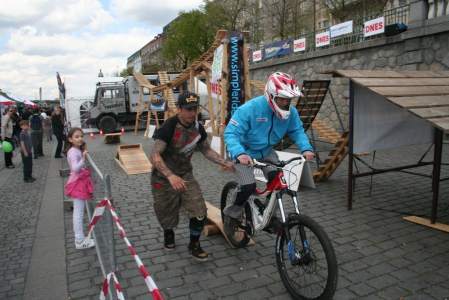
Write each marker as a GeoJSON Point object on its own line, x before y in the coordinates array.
{"type": "Point", "coordinates": [108, 124]}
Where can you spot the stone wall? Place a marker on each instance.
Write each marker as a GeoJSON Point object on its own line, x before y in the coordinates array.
{"type": "Point", "coordinates": [424, 48]}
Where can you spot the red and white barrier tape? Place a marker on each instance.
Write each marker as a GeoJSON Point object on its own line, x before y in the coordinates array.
{"type": "Point", "coordinates": [99, 210]}
{"type": "Point", "coordinates": [104, 290]}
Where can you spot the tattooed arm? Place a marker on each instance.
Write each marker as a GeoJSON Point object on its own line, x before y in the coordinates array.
{"type": "Point", "coordinates": [177, 183]}
{"type": "Point", "coordinates": [213, 156]}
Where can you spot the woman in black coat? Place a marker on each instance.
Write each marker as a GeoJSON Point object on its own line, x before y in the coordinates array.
{"type": "Point", "coordinates": [58, 130]}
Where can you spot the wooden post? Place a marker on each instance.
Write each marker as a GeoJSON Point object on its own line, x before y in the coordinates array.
{"type": "Point", "coordinates": [138, 110]}
{"type": "Point", "coordinates": [211, 104]}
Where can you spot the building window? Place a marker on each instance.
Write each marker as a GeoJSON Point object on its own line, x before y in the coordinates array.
{"type": "Point", "coordinates": [325, 23]}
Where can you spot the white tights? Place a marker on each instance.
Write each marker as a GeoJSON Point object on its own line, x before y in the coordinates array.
{"type": "Point", "coordinates": [78, 215]}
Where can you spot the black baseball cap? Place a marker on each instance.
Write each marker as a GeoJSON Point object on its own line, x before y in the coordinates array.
{"type": "Point", "coordinates": [188, 100]}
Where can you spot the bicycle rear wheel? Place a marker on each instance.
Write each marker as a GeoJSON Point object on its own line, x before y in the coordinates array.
{"type": "Point", "coordinates": [243, 234]}
{"type": "Point", "coordinates": [315, 274]}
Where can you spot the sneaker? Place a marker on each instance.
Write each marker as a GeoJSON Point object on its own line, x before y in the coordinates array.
{"type": "Point", "coordinates": [230, 225]}
{"type": "Point", "coordinates": [196, 252]}
{"type": "Point", "coordinates": [274, 226]}
{"type": "Point", "coordinates": [85, 244]}
{"type": "Point", "coordinates": [169, 241]}
{"type": "Point", "coordinates": [28, 180]}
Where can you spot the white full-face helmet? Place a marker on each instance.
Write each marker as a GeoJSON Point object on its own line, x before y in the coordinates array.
{"type": "Point", "coordinates": [281, 85]}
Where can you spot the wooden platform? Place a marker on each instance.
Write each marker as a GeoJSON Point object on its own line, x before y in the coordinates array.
{"type": "Point", "coordinates": [214, 216]}
{"type": "Point", "coordinates": [132, 159]}
{"type": "Point", "coordinates": [425, 222]}
{"type": "Point", "coordinates": [416, 91]}
{"type": "Point", "coordinates": [112, 138]}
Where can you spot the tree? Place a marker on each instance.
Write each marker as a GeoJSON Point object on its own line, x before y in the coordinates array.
{"type": "Point", "coordinates": [228, 14]}
{"type": "Point", "coordinates": [126, 71]}
{"type": "Point", "coordinates": [285, 18]}
{"type": "Point", "coordinates": [343, 10]}
{"type": "Point", "coordinates": [188, 38]}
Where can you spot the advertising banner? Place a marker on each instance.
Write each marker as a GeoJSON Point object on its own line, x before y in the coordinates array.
{"type": "Point", "coordinates": [235, 71]}
{"type": "Point", "coordinates": [257, 55]}
{"type": "Point", "coordinates": [217, 64]}
{"type": "Point", "coordinates": [322, 39]}
{"type": "Point", "coordinates": [299, 45]}
{"type": "Point", "coordinates": [375, 26]}
{"type": "Point", "coordinates": [340, 29]}
{"type": "Point", "coordinates": [278, 48]}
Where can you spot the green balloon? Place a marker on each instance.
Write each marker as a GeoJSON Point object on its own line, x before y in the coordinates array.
{"type": "Point", "coordinates": [6, 146]}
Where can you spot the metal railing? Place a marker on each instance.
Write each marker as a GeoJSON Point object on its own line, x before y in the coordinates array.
{"type": "Point", "coordinates": [103, 232]}
{"type": "Point", "coordinates": [396, 15]}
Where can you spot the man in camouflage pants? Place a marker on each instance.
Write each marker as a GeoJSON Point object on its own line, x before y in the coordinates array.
{"type": "Point", "coordinates": [172, 182]}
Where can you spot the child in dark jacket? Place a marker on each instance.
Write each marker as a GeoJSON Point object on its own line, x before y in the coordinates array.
{"type": "Point", "coordinates": [27, 157]}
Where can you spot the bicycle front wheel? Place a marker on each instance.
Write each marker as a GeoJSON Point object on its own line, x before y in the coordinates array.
{"type": "Point", "coordinates": [313, 275]}
{"type": "Point", "coordinates": [242, 235]}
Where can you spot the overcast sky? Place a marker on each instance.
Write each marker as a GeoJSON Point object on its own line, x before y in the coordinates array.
{"type": "Point", "coordinates": [75, 38]}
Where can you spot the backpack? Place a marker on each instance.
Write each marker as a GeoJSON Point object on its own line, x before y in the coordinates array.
{"type": "Point", "coordinates": [36, 123]}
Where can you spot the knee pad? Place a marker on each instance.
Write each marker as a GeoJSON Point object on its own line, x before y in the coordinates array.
{"type": "Point", "coordinates": [245, 191]}
{"type": "Point", "coordinates": [196, 225]}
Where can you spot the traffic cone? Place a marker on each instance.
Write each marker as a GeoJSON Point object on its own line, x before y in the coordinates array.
{"type": "Point", "coordinates": [101, 132]}
{"type": "Point", "coordinates": [92, 136]}
{"type": "Point", "coordinates": [123, 130]}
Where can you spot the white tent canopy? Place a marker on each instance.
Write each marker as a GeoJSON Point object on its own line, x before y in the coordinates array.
{"type": "Point", "coordinates": [80, 93]}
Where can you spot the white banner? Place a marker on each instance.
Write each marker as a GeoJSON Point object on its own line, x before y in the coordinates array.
{"type": "Point", "coordinates": [257, 55]}
{"type": "Point", "coordinates": [322, 39]}
{"type": "Point", "coordinates": [217, 64]}
{"type": "Point", "coordinates": [340, 29]}
{"type": "Point", "coordinates": [375, 26]}
{"type": "Point", "coordinates": [299, 45]}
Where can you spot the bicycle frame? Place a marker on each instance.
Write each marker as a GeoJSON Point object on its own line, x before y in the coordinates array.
{"type": "Point", "coordinates": [277, 187]}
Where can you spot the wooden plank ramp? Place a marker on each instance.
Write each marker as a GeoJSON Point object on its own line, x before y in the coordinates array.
{"type": "Point", "coordinates": [112, 138]}
{"type": "Point", "coordinates": [326, 131]}
{"type": "Point", "coordinates": [335, 158]}
{"type": "Point", "coordinates": [163, 76]}
{"type": "Point", "coordinates": [425, 222]}
{"type": "Point", "coordinates": [132, 159]}
{"type": "Point", "coordinates": [214, 216]}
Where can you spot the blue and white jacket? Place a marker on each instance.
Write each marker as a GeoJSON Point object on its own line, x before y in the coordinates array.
{"type": "Point", "coordinates": [254, 129]}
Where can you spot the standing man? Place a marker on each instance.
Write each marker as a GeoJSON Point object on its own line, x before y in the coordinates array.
{"type": "Point", "coordinates": [252, 132]}
{"type": "Point", "coordinates": [7, 130]}
{"type": "Point", "coordinates": [172, 182]}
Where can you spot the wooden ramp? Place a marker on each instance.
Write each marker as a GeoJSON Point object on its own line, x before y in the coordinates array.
{"type": "Point", "coordinates": [163, 77]}
{"type": "Point", "coordinates": [112, 138]}
{"type": "Point", "coordinates": [132, 159]}
{"type": "Point", "coordinates": [214, 216]}
{"type": "Point", "coordinates": [334, 159]}
{"type": "Point", "coordinates": [325, 131]}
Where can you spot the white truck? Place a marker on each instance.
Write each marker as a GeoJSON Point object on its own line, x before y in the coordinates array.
{"type": "Point", "coordinates": [117, 102]}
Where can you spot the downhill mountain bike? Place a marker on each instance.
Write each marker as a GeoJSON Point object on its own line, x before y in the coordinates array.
{"type": "Point", "coordinates": [304, 254]}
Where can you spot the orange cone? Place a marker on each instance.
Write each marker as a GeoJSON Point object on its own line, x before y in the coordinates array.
{"type": "Point", "coordinates": [123, 130]}
{"type": "Point", "coordinates": [92, 136]}
{"type": "Point", "coordinates": [101, 132]}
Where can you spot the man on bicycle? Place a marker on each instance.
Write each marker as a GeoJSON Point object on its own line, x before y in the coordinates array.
{"type": "Point", "coordinates": [172, 182]}
{"type": "Point", "coordinates": [253, 130]}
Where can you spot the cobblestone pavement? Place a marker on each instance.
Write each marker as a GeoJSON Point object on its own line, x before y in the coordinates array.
{"type": "Point", "coordinates": [20, 203]}
{"type": "Point", "coordinates": [380, 255]}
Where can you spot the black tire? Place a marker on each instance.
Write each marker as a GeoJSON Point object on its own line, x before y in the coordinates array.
{"type": "Point", "coordinates": [316, 277]}
{"type": "Point", "coordinates": [242, 235]}
{"type": "Point", "coordinates": [108, 124]}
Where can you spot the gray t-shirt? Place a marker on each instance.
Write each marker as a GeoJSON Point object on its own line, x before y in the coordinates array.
{"type": "Point", "coordinates": [25, 137]}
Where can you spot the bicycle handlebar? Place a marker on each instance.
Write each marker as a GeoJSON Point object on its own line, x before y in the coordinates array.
{"type": "Point", "coordinates": [258, 164]}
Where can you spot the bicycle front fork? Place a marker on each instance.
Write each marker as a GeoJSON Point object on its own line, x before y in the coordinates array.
{"type": "Point", "coordinates": [296, 257]}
